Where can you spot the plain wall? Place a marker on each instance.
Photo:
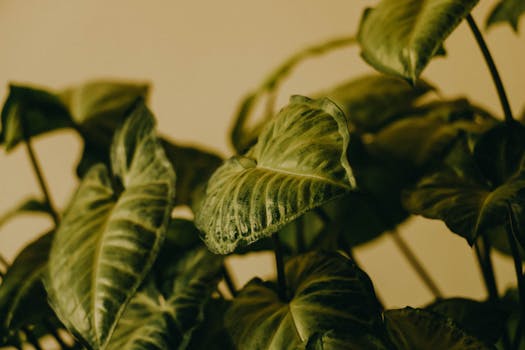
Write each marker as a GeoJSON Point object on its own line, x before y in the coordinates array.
{"type": "Point", "coordinates": [201, 58]}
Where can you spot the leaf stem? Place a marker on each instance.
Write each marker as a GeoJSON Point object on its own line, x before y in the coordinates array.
{"type": "Point", "coordinates": [229, 281]}
{"type": "Point", "coordinates": [279, 262]}
{"type": "Point", "coordinates": [41, 181]}
{"type": "Point", "coordinates": [492, 68]}
{"type": "Point", "coordinates": [416, 264]}
{"type": "Point", "coordinates": [482, 249]}
{"type": "Point", "coordinates": [512, 238]}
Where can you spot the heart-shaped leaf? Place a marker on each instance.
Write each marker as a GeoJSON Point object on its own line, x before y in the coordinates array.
{"type": "Point", "coordinates": [400, 37]}
{"type": "Point", "coordinates": [415, 329]}
{"type": "Point", "coordinates": [29, 112]}
{"type": "Point", "coordinates": [164, 316]}
{"type": "Point", "coordinates": [298, 163]}
{"type": "Point", "coordinates": [507, 11]}
{"type": "Point", "coordinates": [327, 292]}
{"type": "Point", "coordinates": [111, 232]}
{"type": "Point", "coordinates": [30, 205]}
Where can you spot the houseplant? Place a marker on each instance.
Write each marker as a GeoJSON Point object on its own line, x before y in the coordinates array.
{"type": "Point", "coordinates": [319, 176]}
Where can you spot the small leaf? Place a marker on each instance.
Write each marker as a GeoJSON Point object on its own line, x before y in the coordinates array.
{"type": "Point", "coordinates": [164, 316]}
{"type": "Point", "coordinates": [400, 37]}
{"type": "Point", "coordinates": [111, 233]}
{"type": "Point", "coordinates": [415, 329]}
{"type": "Point", "coordinates": [30, 205]}
{"type": "Point", "coordinates": [328, 292]}
{"type": "Point", "coordinates": [193, 167]}
{"type": "Point", "coordinates": [29, 112]}
{"type": "Point", "coordinates": [298, 163]}
{"type": "Point", "coordinates": [485, 320]}
{"type": "Point", "coordinates": [507, 11]}
{"type": "Point", "coordinates": [372, 101]}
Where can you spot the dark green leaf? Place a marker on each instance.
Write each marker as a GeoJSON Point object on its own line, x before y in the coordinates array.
{"type": "Point", "coordinates": [414, 329]}
{"type": "Point", "coordinates": [212, 334]}
{"type": "Point", "coordinates": [111, 233]}
{"type": "Point", "coordinates": [30, 205]}
{"type": "Point", "coordinates": [512, 305]}
{"type": "Point", "coordinates": [193, 166]}
{"type": "Point", "coordinates": [332, 341]}
{"type": "Point", "coordinates": [485, 320]}
{"type": "Point", "coordinates": [507, 11]}
{"type": "Point", "coordinates": [327, 292]}
{"type": "Point", "coordinates": [29, 112]}
{"type": "Point", "coordinates": [372, 101]}
{"type": "Point", "coordinates": [298, 163]}
{"type": "Point", "coordinates": [164, 317]}
{"type": "Point", "coordinates": [400, 37]}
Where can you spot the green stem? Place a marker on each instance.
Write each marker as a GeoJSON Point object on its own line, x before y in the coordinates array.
{"type": "Point", "coordinates": [229, 281]}
{"type": "Point", "coordinates": [416, 264]}
{"type": "Point", "coordinates": [41, 180]}
{"type": "Point", "coordinates": [492, 68]}
{"type": "Point", "coordinates": [512, 232]}
{"type": "Point", "coordinates": [279, 262]}
{"type": "Point", "coordinates": [482, 249]}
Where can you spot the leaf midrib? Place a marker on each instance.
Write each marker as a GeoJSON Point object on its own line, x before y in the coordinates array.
{"type": "Point", "coordinates": [303, 175]}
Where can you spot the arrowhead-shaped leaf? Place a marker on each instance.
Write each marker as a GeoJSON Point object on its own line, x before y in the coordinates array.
{"type": "Point", "coordinates": [111, 232]}
{"type": "Point", "coordinates": [328, 292]}
{"type": "Point", "coordinates": [507, 11]}
{"type": "Point", "coordinates": [415, 329]}
{"type": "Point", "coordinates": [29, 112]}
{"type": "Point", "coordinates": [298, 163]}
{"type": "Point", "coordinates": [163, 314]}
{"type": "Point", "coordinates": [400, 37]}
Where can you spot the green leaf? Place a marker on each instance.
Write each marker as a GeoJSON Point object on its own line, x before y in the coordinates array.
{"type": "Point", "coordinates": [328, 292]}
{"type": "Point", "coordinates": [23, 300]}
{"type": "Point", "coordinates": [212, 334]}
{"type": "Point", "coordinates": [485, 320]}
{"type": "Point", "coordinates": [164, 316]}
{"type": "Point", "coordinates": [298, 163]}
{"type": "Point", "coordinates": [30, 205]}
{"type": "Point", "coordinates": [462, 193]}
{"type": "Point", "coordinates": [373, 100]}
{"type": "Point", "coordinates": [506, 11]}
{"type": "Point", "coordinates": [111, 232]}
{"type": "Point", "coordinates": [415, 329]}
{"type": "Point", "coordinates": [242, 136]}
{"type": "Point", "coordinates": [400, 37]}
{"type": "Point", "coordinates": [193, 166]}
{"type": "Point", "coordinates": [332, 341]}
{"type": "Point", "coordinates": [29, 112]}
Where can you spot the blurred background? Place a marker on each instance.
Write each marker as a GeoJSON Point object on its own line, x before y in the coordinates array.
{"type": "Point", "coordinates": [201, 58]}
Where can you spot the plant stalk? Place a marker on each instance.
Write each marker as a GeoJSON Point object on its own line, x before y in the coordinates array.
{"type": "Point", "coordinates": [416, 264]}
{"type": "Point", "coordinates": [41, 181]}
{"type": "Point", "coordinates": [492, 68]}
{"type": "Point", "coordinates": [482, 249]}
{"type": "Point", "coordinates": [229, 281]}
{"type": "Point", "coordinates": [279, 262]}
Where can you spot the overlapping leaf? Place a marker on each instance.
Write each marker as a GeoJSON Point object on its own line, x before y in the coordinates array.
{"type": "Point", "coordinates": [507, 11]}
{"type": "Point", "coordinates": [164, 313]}
{"type": "Point", "coordinates": [298, 163]}
{"type": "Point", "coordinates": [415, 329]}
{"type": "Point", "coordinates": [400, 37]}
{"type": "Point", "coordinates": [30, 205]}
{"type": "Point", "coordinates": [332, 341]}
{"type": "Point", "coordinates": [327, 292]}
{"type": "Point", "coordinates": [111, 233]}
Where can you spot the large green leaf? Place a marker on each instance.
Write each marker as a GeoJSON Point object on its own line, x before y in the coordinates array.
{"type": "Point", "coordinates": [401, 36]}
{"type": "Point", "coordinates": [298, 163]}
{"type": "Point", "coordinates": [111, 232]}
{"type": "Point", "coordinates": [507, 11]}
{"type": "Point", "coordinates": [485, 320]}
{"type": "Point", "coordinates": [163, 314]}
{"type": "Point", "coordinates": [373, 100]}
{"type": "Point", "coordinates": [332, 341]}
{"type": "Point", "coordinates": [30, 205]}
{"type": "Point", "coordinates": [415, 329]}
{"type": "Point", "coordinates": [29, 112]}
{"type": "Point", "coordinates": [471, 193]}
{"type": "Point", "coordinates": [327, 292]}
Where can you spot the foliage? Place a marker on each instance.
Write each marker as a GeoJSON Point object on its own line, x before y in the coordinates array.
{"type": "Point", "coordinates": [312, 181]}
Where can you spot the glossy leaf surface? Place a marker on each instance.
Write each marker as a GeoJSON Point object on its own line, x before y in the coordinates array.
{"type": "Point", "coordinates": [507, 11]}
{"type": "Point", "coordinates": [400, 37]}
{"type": "Point", "coordinates": [415, 329]}
{"type": "Point", "coordinates": [327, 292]}
{"type": "Point", "coordinates": [298, 163]}
{"type": "Point", "coordinates": [111, 233]}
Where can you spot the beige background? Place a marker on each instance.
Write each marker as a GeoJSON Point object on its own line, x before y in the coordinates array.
{"type": "Point", "coordinates": [201, 57]}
